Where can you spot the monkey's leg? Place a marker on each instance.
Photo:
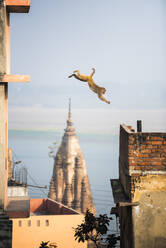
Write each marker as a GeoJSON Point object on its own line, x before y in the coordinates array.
{"type": "Point", "coordinates": [77, 77]}
{"type": "Point", "coordinates": [101, 97]}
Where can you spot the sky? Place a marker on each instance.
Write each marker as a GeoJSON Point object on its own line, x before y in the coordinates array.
{"type": "Point", "coordinates": [123, 40]}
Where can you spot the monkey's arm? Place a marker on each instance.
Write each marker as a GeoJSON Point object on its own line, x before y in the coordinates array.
{"type": "Point", "coordinates": [101, 97]}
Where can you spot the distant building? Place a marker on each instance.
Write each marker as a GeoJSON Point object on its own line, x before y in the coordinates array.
{"type": "Point", "coordinates": [44, 218]}
{"type": "Point", "coordinates": [70, 183]}
{"type": "Point", "coordinates": [37, 220]}
{"type": "Point", "coordinates": [140, 191]}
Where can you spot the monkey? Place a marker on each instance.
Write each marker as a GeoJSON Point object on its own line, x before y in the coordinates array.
{"type": "Point", "coordinates": [100, 91]}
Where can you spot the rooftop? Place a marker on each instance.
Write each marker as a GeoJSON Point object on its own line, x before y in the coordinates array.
{"type": "Point", "coordinates": [23, 207]}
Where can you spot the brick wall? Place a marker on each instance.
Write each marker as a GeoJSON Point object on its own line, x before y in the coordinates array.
{"type": "Point", "coordinates": [140, 154]}
{"type": "Point", "coordinates": [147, 152]}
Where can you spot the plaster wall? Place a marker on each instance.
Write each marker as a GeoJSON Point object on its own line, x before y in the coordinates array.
{"type": "Point", "coordinates": [51, 228]}
{"type": "Point", "coordinates": [149, 220]}
{"type": "Point", "coordinates": [14, 191]}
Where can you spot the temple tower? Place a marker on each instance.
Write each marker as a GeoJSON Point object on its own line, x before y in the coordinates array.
{"type": "Point", "coordinates": [70, 184]}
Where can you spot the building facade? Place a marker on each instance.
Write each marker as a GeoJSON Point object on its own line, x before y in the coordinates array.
{"type": "Point", "coordinates": [70, 184]}
{"type": "Point", "coordinates": [140, 191]}
{"type": "Point", "coordinates": [47, 220]}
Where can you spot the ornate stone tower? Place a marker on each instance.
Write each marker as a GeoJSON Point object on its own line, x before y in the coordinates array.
{"type": "Point", "coordinates": [70, 184]}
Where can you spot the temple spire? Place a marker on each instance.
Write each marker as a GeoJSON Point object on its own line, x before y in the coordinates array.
{"type": "Point", "coordinates": [70, 184]}
{"type": "Point", "coordinates": [69, 113]}
{"type": "Point", "coordinates": [69, 129]}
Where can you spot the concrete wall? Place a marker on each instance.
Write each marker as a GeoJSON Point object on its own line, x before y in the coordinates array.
{"type": "Point", "coordinates": [142, 169]}
{"type": "Point", "coordinates": [5, 232]}
{"type": "Point", "coordinates": [29, 232]}
{"type": "Point", "coordinates": [4, 68]}
{"type": "Point", "coordinates": [124, 160]}
{"type": "Point", "coordinates": [149, 220]}
{"type": "Point", "coordinates": [17, 191]}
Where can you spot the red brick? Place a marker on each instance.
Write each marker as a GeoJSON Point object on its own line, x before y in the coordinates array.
{"type": "Point", "coordinates": [137, 168]}
{"type": "Point", "coordinates": [153, 150]}
{"type": "Point", "coordinates": [156, 138]}
{"type": "Point", "coordinates": [143, 155]}
{"type": "Point", "coordinates": [157, 142]}
{"type": "Point", "coordinates": [146, 151]}
{"type": "Point", "coordinates": [135, 174]}
{"type": "Point", "coordinates": [132, 164]}
{"type": "Point", "coordinates": [131, 146]}
{"type": "Point", "coordinates": [149, 146]}
{"type": "Point", "coordinates": [144, 163]}
{"type": "Point", "coordinates": [156, 163]}
{"type": "Point", "coordinates": [149, 168]}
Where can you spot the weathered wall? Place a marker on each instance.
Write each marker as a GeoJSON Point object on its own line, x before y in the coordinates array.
{"type": "Point", "coordinates": [142, 169]}
{"type": "Point", "coordinates": [2, 38]}
{"type": "Point", "coordinates": [123, 159]}
{"type": "Point", "coordinates": [149, 219]}
{"type": "Point", "coordinates": [126, 237]}
{"type": "Point", "coordinates": [4, 68]}
{"type": "Point", "coordinates": [53, 228]}
{"type": "Point", "coordinates": [5, 232]}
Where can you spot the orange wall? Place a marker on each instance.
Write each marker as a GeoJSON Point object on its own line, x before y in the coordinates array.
{"type": "Point", "coordinates": [60, 230]}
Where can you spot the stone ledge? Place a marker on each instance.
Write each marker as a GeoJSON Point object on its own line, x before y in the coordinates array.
{"type": "Point", "coordinates": [120, 197]}
{"type": "Point", "coordinates": [18, 6]}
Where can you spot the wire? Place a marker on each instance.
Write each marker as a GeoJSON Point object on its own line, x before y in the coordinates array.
{"type": "Point", "coordinates": [33, 180]}
{"type": "Point", "coordinates": [101, 190]}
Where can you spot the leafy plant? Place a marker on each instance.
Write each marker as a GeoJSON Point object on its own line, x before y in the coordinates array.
{"type": "Point", "coordinates": [92, 228]}
{"type": "Point", "coordinates": [44, 244]}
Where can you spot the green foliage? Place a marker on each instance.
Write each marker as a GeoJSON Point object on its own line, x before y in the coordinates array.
{"type": "Point", "coordinates": [44, 244]}
{"type": "Point", "coordinates": [92, 228]}
{"type": "Point", "coordinates": [52, 148]}
{"type": "Point", "coordinates": [111, 240]}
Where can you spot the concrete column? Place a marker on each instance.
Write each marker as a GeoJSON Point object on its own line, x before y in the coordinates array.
{"type": "Point", "coordinates": [4, 68]}
{"type": "Point", "coordinates": [10, 166]}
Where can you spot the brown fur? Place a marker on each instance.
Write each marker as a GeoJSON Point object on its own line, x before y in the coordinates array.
{"type": "Point", "coordinates": [100, 91]}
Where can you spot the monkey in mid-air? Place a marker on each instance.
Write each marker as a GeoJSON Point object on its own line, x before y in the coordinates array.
{"type": "Point", "coordinates": [100, 91]}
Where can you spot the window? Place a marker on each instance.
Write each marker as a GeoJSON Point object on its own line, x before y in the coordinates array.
{"type": "Point", "coordinates": [19, 223]}
{"type": "Point", "coordinates": [38, 222]}
{"type": "Point", "coordinates": [47, 222]}
{"type": "Point", "coordinates": [29, 222]}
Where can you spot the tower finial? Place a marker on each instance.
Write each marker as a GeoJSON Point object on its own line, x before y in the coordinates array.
{"type": "Point", "coordinates": [69, 114]}
{"type": "Point", "coordinates": [69, 129]}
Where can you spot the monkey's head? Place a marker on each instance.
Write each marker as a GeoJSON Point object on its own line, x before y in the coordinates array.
{"type": "Point", "coordinates": [103, 90]}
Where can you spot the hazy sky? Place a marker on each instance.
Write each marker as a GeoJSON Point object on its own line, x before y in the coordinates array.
{"type": "Point", "coordinates": [124, 40]}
